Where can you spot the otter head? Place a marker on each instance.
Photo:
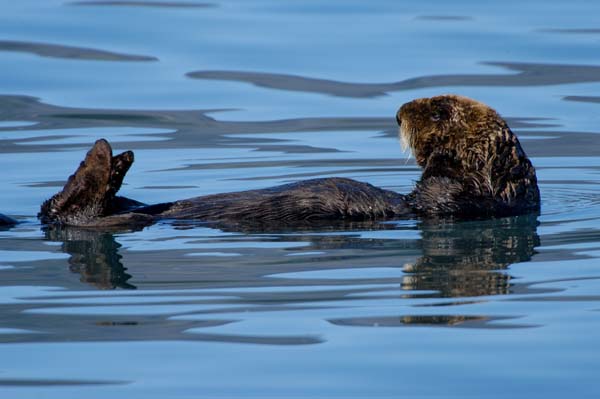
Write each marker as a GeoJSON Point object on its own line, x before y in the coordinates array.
{"type": "Point", "coordinates": [466, 141]}
{"type": "Point", "coordinates": [448, 123]}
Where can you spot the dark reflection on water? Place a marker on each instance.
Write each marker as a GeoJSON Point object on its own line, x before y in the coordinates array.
{"type": "Point", "coordinates": [457, 18]}
{"type": "Point", "coordinates": [91, 328]}
{"type": "Point", "coordinates": [584, 31]}
{"type": "Point", "coordinates": [430, 321]}
{"type": "Point", "coordinates": [167, 4]}
{"type": "Point", "coordinates": [583, 99]}
{"type": "Point", "coordinates": [50, 383]}
{"type": "Point", "coordinates": [182, 129]}
{"type": "Point", "coordinates": [70, 52]}
{"type": "Point", "coordinates": [527, 74]}
{"type": "Point", "coordinates": [188, 128]}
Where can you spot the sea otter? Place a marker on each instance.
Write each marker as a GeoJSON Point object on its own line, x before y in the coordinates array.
{"type": "Point", "coordinates": [473, 167]}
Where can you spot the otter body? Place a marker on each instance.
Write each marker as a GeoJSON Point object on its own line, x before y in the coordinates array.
{"type": "Point", "coordinates": [473, 166]}
{"type": "Point", "coordinates": [316, 199]}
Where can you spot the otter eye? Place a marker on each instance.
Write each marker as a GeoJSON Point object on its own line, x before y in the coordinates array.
{"type": "Point", "coordinates": [440, 112]}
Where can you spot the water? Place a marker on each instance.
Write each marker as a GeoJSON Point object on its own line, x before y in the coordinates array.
{"type": "Point", "coordinates": [233, 95]}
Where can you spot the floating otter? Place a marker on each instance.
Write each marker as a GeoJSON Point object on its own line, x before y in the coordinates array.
{"type": "Point", "coordinates": [473, 166]}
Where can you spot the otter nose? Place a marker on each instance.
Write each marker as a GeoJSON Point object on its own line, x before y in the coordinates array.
{"type": "Point", "coordinates": [398, 119]}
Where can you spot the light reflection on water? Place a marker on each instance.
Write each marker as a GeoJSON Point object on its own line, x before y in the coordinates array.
{"type": "Point", "coordinates": [277, 92]}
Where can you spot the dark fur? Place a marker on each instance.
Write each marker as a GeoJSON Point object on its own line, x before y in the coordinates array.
{"type": "Point", "coordinates": [473, 166]}
{"type": "Point", "coordinates": [305, 201]}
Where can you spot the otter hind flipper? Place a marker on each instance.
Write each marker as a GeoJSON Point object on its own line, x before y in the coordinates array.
{"type": "Point", "coordinates": [90, 192]}
{"type": "Point", "coordinates": [120, 164]}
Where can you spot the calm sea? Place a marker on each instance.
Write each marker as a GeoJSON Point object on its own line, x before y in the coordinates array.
{"type": "Point", "coordinates": [230, 95]}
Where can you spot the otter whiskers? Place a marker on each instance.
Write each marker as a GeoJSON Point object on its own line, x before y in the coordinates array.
{"type": "Point", "coordinates": [405, 141]}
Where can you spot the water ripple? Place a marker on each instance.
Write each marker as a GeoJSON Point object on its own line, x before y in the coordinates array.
{"type": "Point", "coordinates": [69, 52]}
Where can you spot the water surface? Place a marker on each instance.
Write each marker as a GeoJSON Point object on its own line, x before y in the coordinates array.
{"type": "Point", "coordinates": [233, 95]}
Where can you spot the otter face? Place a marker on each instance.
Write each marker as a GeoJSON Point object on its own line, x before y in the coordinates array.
{"type": "Point", "coordinates": [447, 123]}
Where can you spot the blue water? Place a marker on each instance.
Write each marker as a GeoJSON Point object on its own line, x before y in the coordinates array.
{"type": "Point", "coordinates": [236, 95]}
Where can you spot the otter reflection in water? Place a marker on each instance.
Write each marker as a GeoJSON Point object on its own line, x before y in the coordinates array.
{"type": "Point", "coordinates": [473, 166]}
{"type": "Point", "coordinates": [459, 259]}
{"type": "Point", "coordinates": [470, 258]}
{"type": "Point", "coordinates": [463, 259]}
{"type": "Point", "coordinates": [94, 255]}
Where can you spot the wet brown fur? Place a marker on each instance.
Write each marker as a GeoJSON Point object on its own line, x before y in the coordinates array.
{"type": "Point", "coordinates": [473, 166]}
